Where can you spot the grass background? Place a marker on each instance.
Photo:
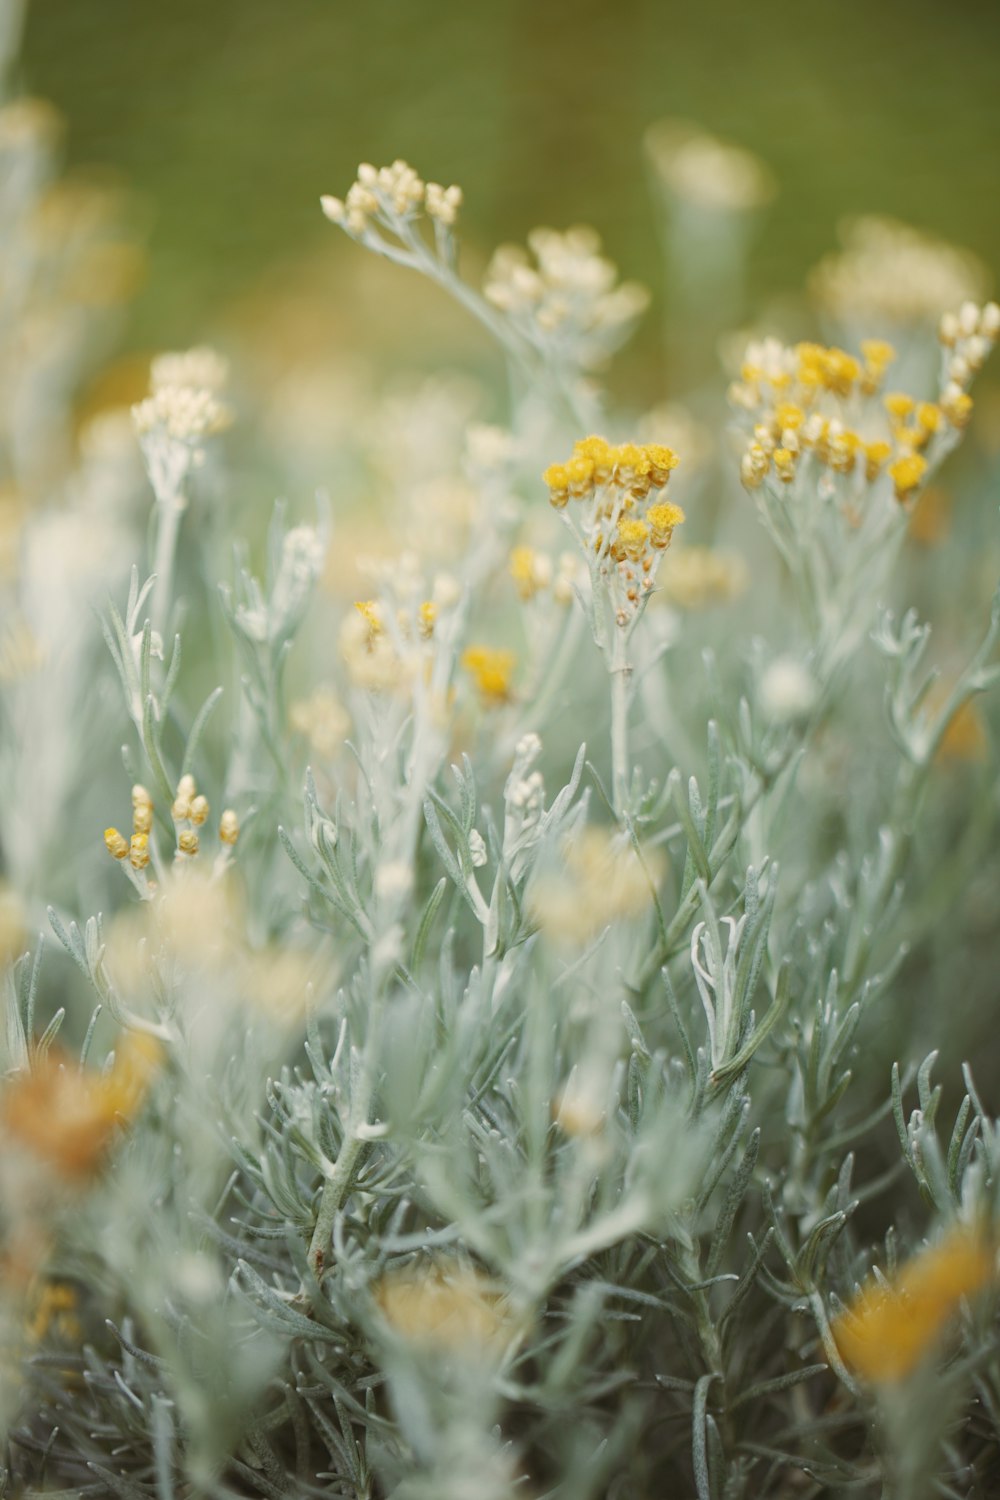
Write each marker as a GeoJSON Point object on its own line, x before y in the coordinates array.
{"type": "Point", "coordinates": [228, 119]}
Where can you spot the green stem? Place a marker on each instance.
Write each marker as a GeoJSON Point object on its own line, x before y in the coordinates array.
{"type": "Point", "coordinates": [168, 522]}
{"type": "Point", "coordinates": [621, 673]}
{"type": "Point", "coordinates": [335, 1192]}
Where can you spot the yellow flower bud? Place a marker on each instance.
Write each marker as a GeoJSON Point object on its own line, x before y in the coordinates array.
{"type": "Point", "coordinates": [116, 845]}
{"type": "Point", "coordinates": [229, 827]}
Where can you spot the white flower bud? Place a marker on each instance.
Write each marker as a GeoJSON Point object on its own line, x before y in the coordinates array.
{"type": "Point", "coordinates": [787, 690]}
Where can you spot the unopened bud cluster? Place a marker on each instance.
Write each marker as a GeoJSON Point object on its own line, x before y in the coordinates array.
{"type": "Point", "coordinates": [390, 195]}
{"type": "Point", "coordinates": [565, 292]}
{"type": "Point", "coordinates": [184, 402]}
{"type": "Point", "coordinates": [135, 849]}
{"type": "Point", "coordinates": [189, 812]}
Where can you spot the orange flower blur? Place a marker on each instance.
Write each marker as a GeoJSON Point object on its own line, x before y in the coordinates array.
{"type": "Point", "coordinates": [67, 1117]}
{"type": "Point", "coordinates": [888, 1330]}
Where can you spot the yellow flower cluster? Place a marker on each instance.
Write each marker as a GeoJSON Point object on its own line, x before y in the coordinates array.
{"type": "Point", "coordinates": [813, 402]}
{"type": "Point", "coordinates": [54, 1313]}
{"type": "Point", "coordinates": [530, 570]}
{"type": "Point", "coordinates": [189, 812]}
{"type": "Point", "coordinates": [623, 521]}
{"type": "Point", "coordinates": [491, 668]}
{"type": "Point", "coordinates": [444, 1309]}
{"type": "Point", "coordinates": [533, 574]}
{"type": "Point", "coordinates": [889, 1328]}
{"type": "Point", "coordinates": [136, 849]}
{"type": "Point", "coordinates": [380, 648]}
{"type": "Point", "coordinates": [67, 1117]}
{"type": "Point", "coordinates": [391, 194]}
{"type": "Point", "coordinates": [601, 880]}
{"type": "Point", "coordinates": [699, 577]}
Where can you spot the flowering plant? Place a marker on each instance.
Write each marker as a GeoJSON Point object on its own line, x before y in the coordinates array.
{"type": "Point", "coordinates": [486, 1060]}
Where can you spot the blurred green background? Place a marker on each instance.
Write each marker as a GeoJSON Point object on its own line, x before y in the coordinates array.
{"type": "Point", "coordinates": [227, 119]}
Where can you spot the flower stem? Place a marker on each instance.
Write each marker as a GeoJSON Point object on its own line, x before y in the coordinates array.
{"type": "Point", "coordinates": [168, 522]}
{"type": "Point", "coordinates": [621, 673]}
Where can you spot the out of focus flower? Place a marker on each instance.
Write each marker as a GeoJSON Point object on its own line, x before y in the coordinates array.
{"type": "Point", "coordinates": [449, 1309]}
{"type": "Point", "coordinates": [889, 272]}
{"type": "Point", "coordinates": [67, 1117]}
{"type": "Point", "coordinates": [890, 1328]}
{"type": "Point", "coordinates": [713, 173]}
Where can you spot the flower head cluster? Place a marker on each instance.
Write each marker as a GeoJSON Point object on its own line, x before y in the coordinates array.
{"type": "Point", "coordinates": [813, 406]}
{"type": "Point", "coordinates": [704, 170]}
{"type": "Point", "coordinates": [136, 849]}
{"type": "Point", "coordinates": [967, 338]}
{"type": "Point", "coordinates": [203, 369]}
{"type": "Point", "coordinates": [390, 195]}
{"type": "Point", "coordinates": [383, 647]}
{"type": "Point", "coordinates": [890, 1327]}
{"type": "Point", "coordinates": [182, 410]}
{"type": "Point", "coordinates": [524, 807]}
{"type": "Point", "coordinates": [618, 513]}
{"type": "Point", "coordinates": [533, 574]}
{"type": "Point", "coordinates": [569, 300]}
{"type": "Point", "coordinates": [491, 669]}
{"type": "Point", "coordinates": [322, 719]}
{"type": "Point", "coordinates": [189, 812]}
{"type": "Point", "coordinates": [601, 880]}
{"type": "Point", "coordinates": [888, 272]}
{"type": "Point", "coordinates": [187, 414]}
{"type": "Point", "coordinates": [699, 577]}
{"type": "Point", "coordinates": [184, 401]}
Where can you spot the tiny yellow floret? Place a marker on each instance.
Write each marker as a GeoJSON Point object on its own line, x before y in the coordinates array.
{"type": "Point", "coordinates": [139, 851]}
{"type": "Point", "coordinates": [662, 519]}
{"type": "Point", "coordinates": [492, 669]}
{"type": "Point", "coordinates": [116, 845]}
{"type": "Point", "coordinates": [369, 611]}
{"type": "Point", "coordinates": [957, 406]}
{"type": "Point", "coordinates": [876, 455]}
{"type": "Point", "coordinates": [899, 405]}
{"type": "Point", "coordinates": [530, 570]}
{"type": "Point", "coordinates": [877, 352]}
{"type": "Point", "coordinates": [630, 541]}
{"type": "Point", "coordinates": [906, 474]}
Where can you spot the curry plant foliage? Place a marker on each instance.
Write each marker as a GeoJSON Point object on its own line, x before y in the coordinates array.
{"type": "Point", "coordinates": [496, 1057]}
